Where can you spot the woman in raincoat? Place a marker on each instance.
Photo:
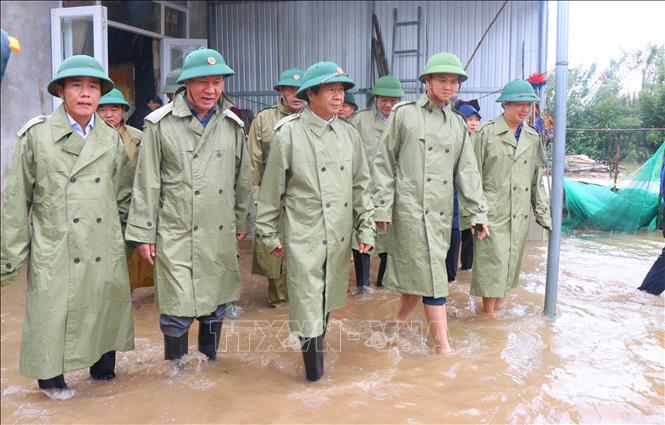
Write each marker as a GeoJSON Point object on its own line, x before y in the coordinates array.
{"type": "Point", "coordinates": [511, 161]}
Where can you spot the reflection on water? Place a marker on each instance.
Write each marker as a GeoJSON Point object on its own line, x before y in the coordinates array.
{"type": "Point", "coordinates": [602, 359]}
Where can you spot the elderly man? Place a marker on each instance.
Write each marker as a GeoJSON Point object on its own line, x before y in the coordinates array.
{"type": "Point", "coordinates": [370, 123]}
{"type": "Point", "coordinates": [260, 137]}
{"type": "Point", "coordinates": [511, 161]}
{"type": "Point", "coordinates": [192, 195]}
{"type": "Point", "coordinates": [424, 146]}
{"type": "Point", "coordinates": [67, 193]}
{"type": "Point", "coordinates": [316, 181]}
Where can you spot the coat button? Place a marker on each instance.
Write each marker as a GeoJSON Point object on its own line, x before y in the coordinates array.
{"type": "Point", "coordinates": [221, 227]}
{"type": "Point", "coordinates": [76, 220]}
{"type": "Point", "coordinates": [8, 265]}
{"type": "Point", "coordinates": [445, 182]}
{"type": "Point", "coordinates": [525, 161]}
{"type": "Point", "coordinates": [149, 223]}
{"type": "Point", "coordinates": [429, 148]}
{"type": "Point", "coordinates": [323, 169]}
{"type": "Point", "coordinates": [97, 180]}
{"type": "Point", "coordinates": [220, 191]}
{"type": "Point", "coordinates": [219, 154]}
{"type": "Point", "coordinates": [526, 189]}
{"type": "Point", "coordinates": [441, 213]}
{"type": "Point", "coordinates": [196, 192]}
{"type": "Point", "coordinates": [99, 219]}
{"type": "Point", "coordinates": [429, 110]}
{"type": "Point", "coordinates": [325, 242]}
{"type": "Point", "coordinates": [426, 211]}
{"type": "Point", "coordinates": [514, 215]}
{"type": "Point", "coordinates": [98, 259]}
{"type": "Point", "coordinates": [382, 202]}
{"type": "Point", "coordinates": [341, 168]}
{"type": "Point", "coordinates": [327, 204]}
{"type": "Point", "coordinates": [447, 150]}
{"type": "Point", "coordinates": [196, 155]}
{"type": "Point", "coordinates": [72, 179]}
{"type": "Point", "coordinates": [429, 179]}
{"type": "Point", "coordinates": [346, 204]}
{"type": "Point", "coordinates": [514, 187]}
{"type": "Point", "coordinates": [77, 260]}
{"type": "Point", "coordinates": [196, 228]}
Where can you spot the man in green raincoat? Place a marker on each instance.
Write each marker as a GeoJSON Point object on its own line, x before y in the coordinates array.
{"type": "Point", "coordinates": [511, 161]}
{"type": "Point", "coordinates": [260, 136]}
{"type": "Point", "coordinates": [370, 122]}
{"type": "Point", "coordinates": [424, 147]}
{"type": "Point", "coordinates": [316, 182]}
{"type": "Point", "coordinates": [112, 107]}
{"type": "Point", "coordinates": [191, 200]}
{"type": "Point", "coordinates": [66, 197]}
{"type": "Point", "coordinates": [171, 85]}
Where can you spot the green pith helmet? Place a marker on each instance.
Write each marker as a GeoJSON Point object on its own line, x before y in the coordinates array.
{"type": "Point", "coordinates": [444, 63]}
{"type": "Point", "coordinates": [348, 98]}
{"type": "Point", "coordinates": [518, 91]}
{"type": "Point", "coordinates": [114, 97]}
{"type": "Point", "coordinates": [171, 84]}
{"type": "Point", "coordinates": [204, 63]}
{"type": "Point", "coordinates": [388, 86]}
{"type": "Point", "coordinates": [291, 77]}
{"type": "Point", "coordinates": [323, 73]}
{"type": "Point", "coordinates": [80, 66]}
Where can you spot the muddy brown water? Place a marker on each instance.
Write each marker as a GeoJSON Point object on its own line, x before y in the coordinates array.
{"type": "Point", "coordinates": [601, 360]}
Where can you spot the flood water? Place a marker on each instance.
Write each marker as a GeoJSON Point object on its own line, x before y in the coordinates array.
{"type": "Point", "coordinates": [601, 360]}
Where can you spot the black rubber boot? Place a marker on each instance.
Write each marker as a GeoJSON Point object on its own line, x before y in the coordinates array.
{"type": "Point", "coordinates": [312, 354]}
{"type": "Point", "coordinates": [382, 269]}
{"type": "Point", "coordinates": [209, 334]}
{"type": "Point", "coordinates": [175, 347]}
{"type": "Point", "coordinates": [57, 382]}
{"type": "Point", "coordinates": [104, 368]}
{"type": "Point", "coordinates": [361, 266]}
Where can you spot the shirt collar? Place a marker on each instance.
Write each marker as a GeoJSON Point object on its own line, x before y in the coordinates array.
{"type": "Point", "coordinates": [206, 117]}
{"type": "Point", "coordinates": [77, 127]}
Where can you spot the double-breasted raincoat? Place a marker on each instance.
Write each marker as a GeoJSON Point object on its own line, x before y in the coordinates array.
{"type": "Point", "coordinates": [192, 194]}
{"type": "Point", "coordinates": [318, 179]}
{"type": "Point", "coordinates": [422, 149]}
{"type": "Point", "coordinates": [512, 175]}
{"type": "Point", "coordinates": [64, 204]}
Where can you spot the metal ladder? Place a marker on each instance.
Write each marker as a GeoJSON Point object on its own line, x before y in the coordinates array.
{"type": "Point", "coordinates": [410, 84]}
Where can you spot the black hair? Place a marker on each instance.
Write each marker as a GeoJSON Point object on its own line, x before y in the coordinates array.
{"type": "Point", "coordinates": [155, 99]}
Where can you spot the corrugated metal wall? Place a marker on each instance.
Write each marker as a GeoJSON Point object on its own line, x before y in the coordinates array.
{"type": "Point", "coordinates": [259, 39]}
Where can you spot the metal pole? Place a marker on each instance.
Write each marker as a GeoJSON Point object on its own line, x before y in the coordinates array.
{"type": "Point", "coordinates": [560, 101]}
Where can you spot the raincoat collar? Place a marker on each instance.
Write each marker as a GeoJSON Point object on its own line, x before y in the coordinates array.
{"type": "Point", "coordinates": [316, 123]}
{"type": "Point", "coordinates": [425, 102]}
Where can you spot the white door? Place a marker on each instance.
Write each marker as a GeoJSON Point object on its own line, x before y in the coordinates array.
{"type": "Point", "coordinates": [174, 51]}
{"type": "Point", "coordinates": [78, 31]}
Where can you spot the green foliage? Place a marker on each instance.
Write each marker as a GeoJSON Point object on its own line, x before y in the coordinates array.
{"type": "Point", "coordinates": [598, 100]}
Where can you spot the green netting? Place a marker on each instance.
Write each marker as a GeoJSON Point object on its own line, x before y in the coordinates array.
{"type": "Point", "coordinates": [634, 206]}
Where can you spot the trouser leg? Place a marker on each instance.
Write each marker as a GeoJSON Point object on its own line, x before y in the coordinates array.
{"type": "Point", "coordinates": [361, 266]}
{"type": "Point", "coordinates": [175, 330]}
{"type": "Point", "coordinates": [654, 281]}
{"type": "Point", "coordinates": [383, 261]}
{"type": "Point", "coordinates": [55, 382]}
{"type": "Point", "coordinates": [210, 331]}
{"type": "Point", "coordinates": [453, 255]}
{"type": "Point", "coordinates": [104, 368]}
{"type": "Point", "coordinates": [467, 249]}
{"type": "Point", "coordinates": [277, 290]}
